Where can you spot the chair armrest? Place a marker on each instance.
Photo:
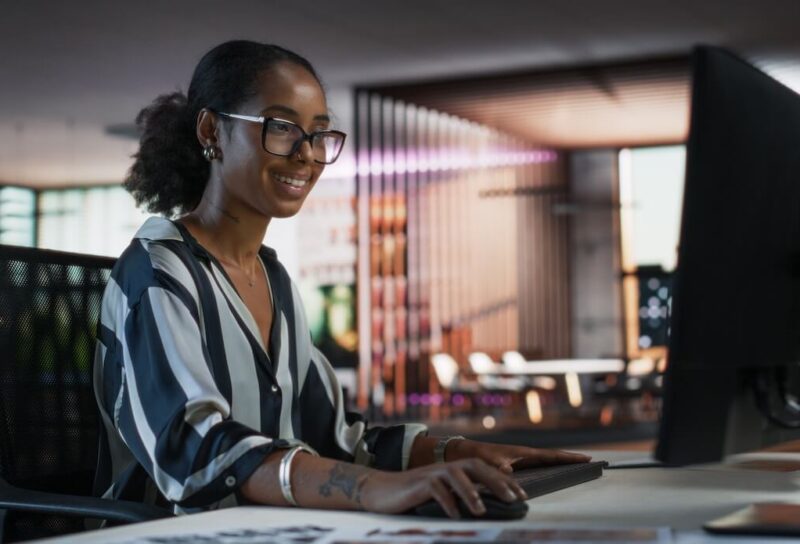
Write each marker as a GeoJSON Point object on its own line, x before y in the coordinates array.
{"type": "Point", "coordinates": [15, 498]}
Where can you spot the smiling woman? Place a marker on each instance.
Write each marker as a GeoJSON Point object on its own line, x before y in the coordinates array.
{"type": "Point", "coordinates": [210, 389]}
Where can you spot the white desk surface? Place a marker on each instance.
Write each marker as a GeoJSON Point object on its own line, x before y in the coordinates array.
{"type": "Point", "coordinates": [566, 366]}
{"type": "Point", "coordinates": [680, 498]}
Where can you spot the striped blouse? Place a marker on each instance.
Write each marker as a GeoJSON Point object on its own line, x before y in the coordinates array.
{"type": "Point", "coordinates": [191, 402]}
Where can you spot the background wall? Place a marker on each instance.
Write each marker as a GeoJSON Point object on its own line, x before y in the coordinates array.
{"type": "Point", "coordinates": [595, 265]}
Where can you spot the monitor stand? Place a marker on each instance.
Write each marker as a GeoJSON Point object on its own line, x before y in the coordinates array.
{"type": "Point", "coordinates": [746, 412]}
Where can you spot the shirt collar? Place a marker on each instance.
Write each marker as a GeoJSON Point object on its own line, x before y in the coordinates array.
{"type": "Point", "coordinates": [160, 228]}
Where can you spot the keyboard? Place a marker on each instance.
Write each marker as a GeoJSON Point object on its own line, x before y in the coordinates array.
{"type": "Point", "coordinates": [535, 481]}
{"type": "Point", "coordinates": [543, 480]}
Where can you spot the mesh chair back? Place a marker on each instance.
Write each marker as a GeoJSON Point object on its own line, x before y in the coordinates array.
{"type": "Point", "coordinates": [49, 307]}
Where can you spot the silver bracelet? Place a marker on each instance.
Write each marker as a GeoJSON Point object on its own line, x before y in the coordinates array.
{"type": "Point", "coordinates": [285, 474]}
{"type": "Point", "coordinates": [438, 451]}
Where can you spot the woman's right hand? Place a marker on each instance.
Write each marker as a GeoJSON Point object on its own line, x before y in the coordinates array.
{"type": "Point", "coordinates": [396, 492]}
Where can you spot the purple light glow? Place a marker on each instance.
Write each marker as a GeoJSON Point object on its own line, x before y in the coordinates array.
{"type": "Point", "coordinates": [363, 164]}
{"type": "Point", "coordinates": [389, 163]}
{"type": "Point", "coordinates": [411, 160]}
{"type": "Point", "coordinates": [458, 400]}
{"type": "Point", "coordinates": [376, 169]}
{"type": "Point", "coordinates": [438, 159]}
{"type": "Point", "coordinates": [400, 163]}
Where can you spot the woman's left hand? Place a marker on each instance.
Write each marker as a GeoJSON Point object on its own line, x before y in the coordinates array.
{"type": "Point", "coordinates": [508, 458]}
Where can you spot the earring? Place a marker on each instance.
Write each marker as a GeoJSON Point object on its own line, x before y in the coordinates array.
{"type": "Point", "coordinates": [211, 152]}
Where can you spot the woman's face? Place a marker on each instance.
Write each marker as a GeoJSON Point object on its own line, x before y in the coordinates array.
{"type": "Point", "coordinates": [271, 185]}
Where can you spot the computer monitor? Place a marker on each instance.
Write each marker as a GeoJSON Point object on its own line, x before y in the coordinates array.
{"type": "Point", "coordinates": [733, 380]}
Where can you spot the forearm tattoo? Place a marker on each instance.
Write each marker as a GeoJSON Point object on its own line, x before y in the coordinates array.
{"type": "Point", "coordinates": [349, 478]}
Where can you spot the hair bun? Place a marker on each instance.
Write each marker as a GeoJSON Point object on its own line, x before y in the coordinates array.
{"type": "Point", "coordinates": [169, 173]}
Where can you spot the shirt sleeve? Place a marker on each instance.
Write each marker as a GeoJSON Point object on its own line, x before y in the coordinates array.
{"type": "Point", "coordinates": [169, 410]}
{"type": "Point", "coordinates": [380, 447]}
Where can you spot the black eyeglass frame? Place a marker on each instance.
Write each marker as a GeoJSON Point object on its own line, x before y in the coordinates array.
{"type": "Point", "coordinates": [306, 137]}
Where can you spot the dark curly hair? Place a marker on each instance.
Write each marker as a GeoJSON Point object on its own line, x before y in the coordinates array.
{"type": "Point", "coordinates": [169, 173]}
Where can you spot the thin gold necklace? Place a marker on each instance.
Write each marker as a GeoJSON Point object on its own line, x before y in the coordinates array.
{"type": "Point", "coordinates": [251, 280]}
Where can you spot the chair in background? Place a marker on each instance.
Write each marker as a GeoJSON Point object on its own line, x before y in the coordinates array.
{"type": "Point", "coordinates": [570, 369]}
{"type": "Point", "coordinates": [449, 376]}
{"type": "Point", "coordinates": [514, 360]}
{"type": "Point", "coordinates": [530, 392]}
{"type": "Point", "coordinates": [634, 393]}
{"type": "Point", "coordinates": [515, 363]}
{"type": "Point", "coordinates": [49, 421]}
{"type": "Point", "coordinates": [452, 383]}
{"type": "Point", "coordinates": [489, 374]}
{"type": "Point", "coordinates": [481, 364]}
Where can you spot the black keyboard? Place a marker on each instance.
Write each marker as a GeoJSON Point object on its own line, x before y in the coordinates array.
{"type": "Point", "coordinates": [543, 480]}
{"type": "Point", "coordinates": [535, 481]}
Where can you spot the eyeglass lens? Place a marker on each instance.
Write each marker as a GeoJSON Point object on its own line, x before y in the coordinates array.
{"type": "Point", "coordinates": [280, 138]}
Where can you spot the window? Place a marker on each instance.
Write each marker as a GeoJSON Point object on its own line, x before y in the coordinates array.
{"type": "Point", "coordinates": [96, 220]}
{"type": "Point", "coordinates": [17, 216]}
{"type": "Point", "coordinates": [651, 194]}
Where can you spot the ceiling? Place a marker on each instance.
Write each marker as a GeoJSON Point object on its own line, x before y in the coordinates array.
{"type": "Point", "coordinates": [68, 69]}
{"type": "Point", "coordinates": [619, 105]}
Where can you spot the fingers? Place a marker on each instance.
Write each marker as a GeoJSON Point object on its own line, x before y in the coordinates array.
{"type": "Point", "coordinates": [465, 488]}
{"type": "Point", "coordinates": [502, 462]}
{"type": "Point", "coordinates": [444, 497]}
{"type": "Point", "coordinates": [505, 467]}
{"type": "Point", "coordinates": [570, 457]}
{"type": "Point", "coordinates": [560, 456]}
{"type": "Point", "coordinates": [500, 484]}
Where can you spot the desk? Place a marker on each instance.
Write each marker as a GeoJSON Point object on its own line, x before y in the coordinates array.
{"type": "Point", "coordinates": [682, 498]}
{"type": "Point", "coordinates": [564, 366]}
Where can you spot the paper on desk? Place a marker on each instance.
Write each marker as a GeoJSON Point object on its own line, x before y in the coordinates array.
{"type": "Point", "coordinates": [418, 535]}
{"type": "Point", "coordinates": [245, 535]}
{"type": "Point", "coordinates": [582, 535]}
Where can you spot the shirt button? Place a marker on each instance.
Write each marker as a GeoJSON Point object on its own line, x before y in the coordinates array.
{"type": "Point", "coordinates": [230, 481]}
{"type": "Point", "coordinates": [274, 388]}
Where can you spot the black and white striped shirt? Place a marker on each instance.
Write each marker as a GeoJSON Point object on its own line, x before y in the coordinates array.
{"type": "Point", "coordinates": [190, 400]}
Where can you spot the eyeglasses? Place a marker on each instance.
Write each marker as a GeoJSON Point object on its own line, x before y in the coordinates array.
{"type": "Point", "coordinates": [284, 138]}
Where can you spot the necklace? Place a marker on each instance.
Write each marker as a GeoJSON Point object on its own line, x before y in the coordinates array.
{"type": "Point", "coordinates": [250, 279]}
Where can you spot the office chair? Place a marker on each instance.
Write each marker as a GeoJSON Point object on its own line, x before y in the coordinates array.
{"type": "Point", "coordinates": [481, 364]}
{"type": "Point", "coordinates": [448, 375]}
{"type": "Point", "coordinates": [514, 362]}
{"type": "Point", "coordinates": [490, 373]}
{"type": "Point", "coordinates": [49, 421]}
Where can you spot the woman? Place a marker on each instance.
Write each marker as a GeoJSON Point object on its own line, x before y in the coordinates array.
{"type": "Point", "coordinates": [210, 389]}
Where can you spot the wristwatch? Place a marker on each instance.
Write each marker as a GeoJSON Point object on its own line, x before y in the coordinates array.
{"type": "Point", "coordinates": [438, 450]}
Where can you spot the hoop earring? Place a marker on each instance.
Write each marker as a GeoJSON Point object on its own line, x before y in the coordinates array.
{"type": "Point", "coordinates": [212, 152]}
